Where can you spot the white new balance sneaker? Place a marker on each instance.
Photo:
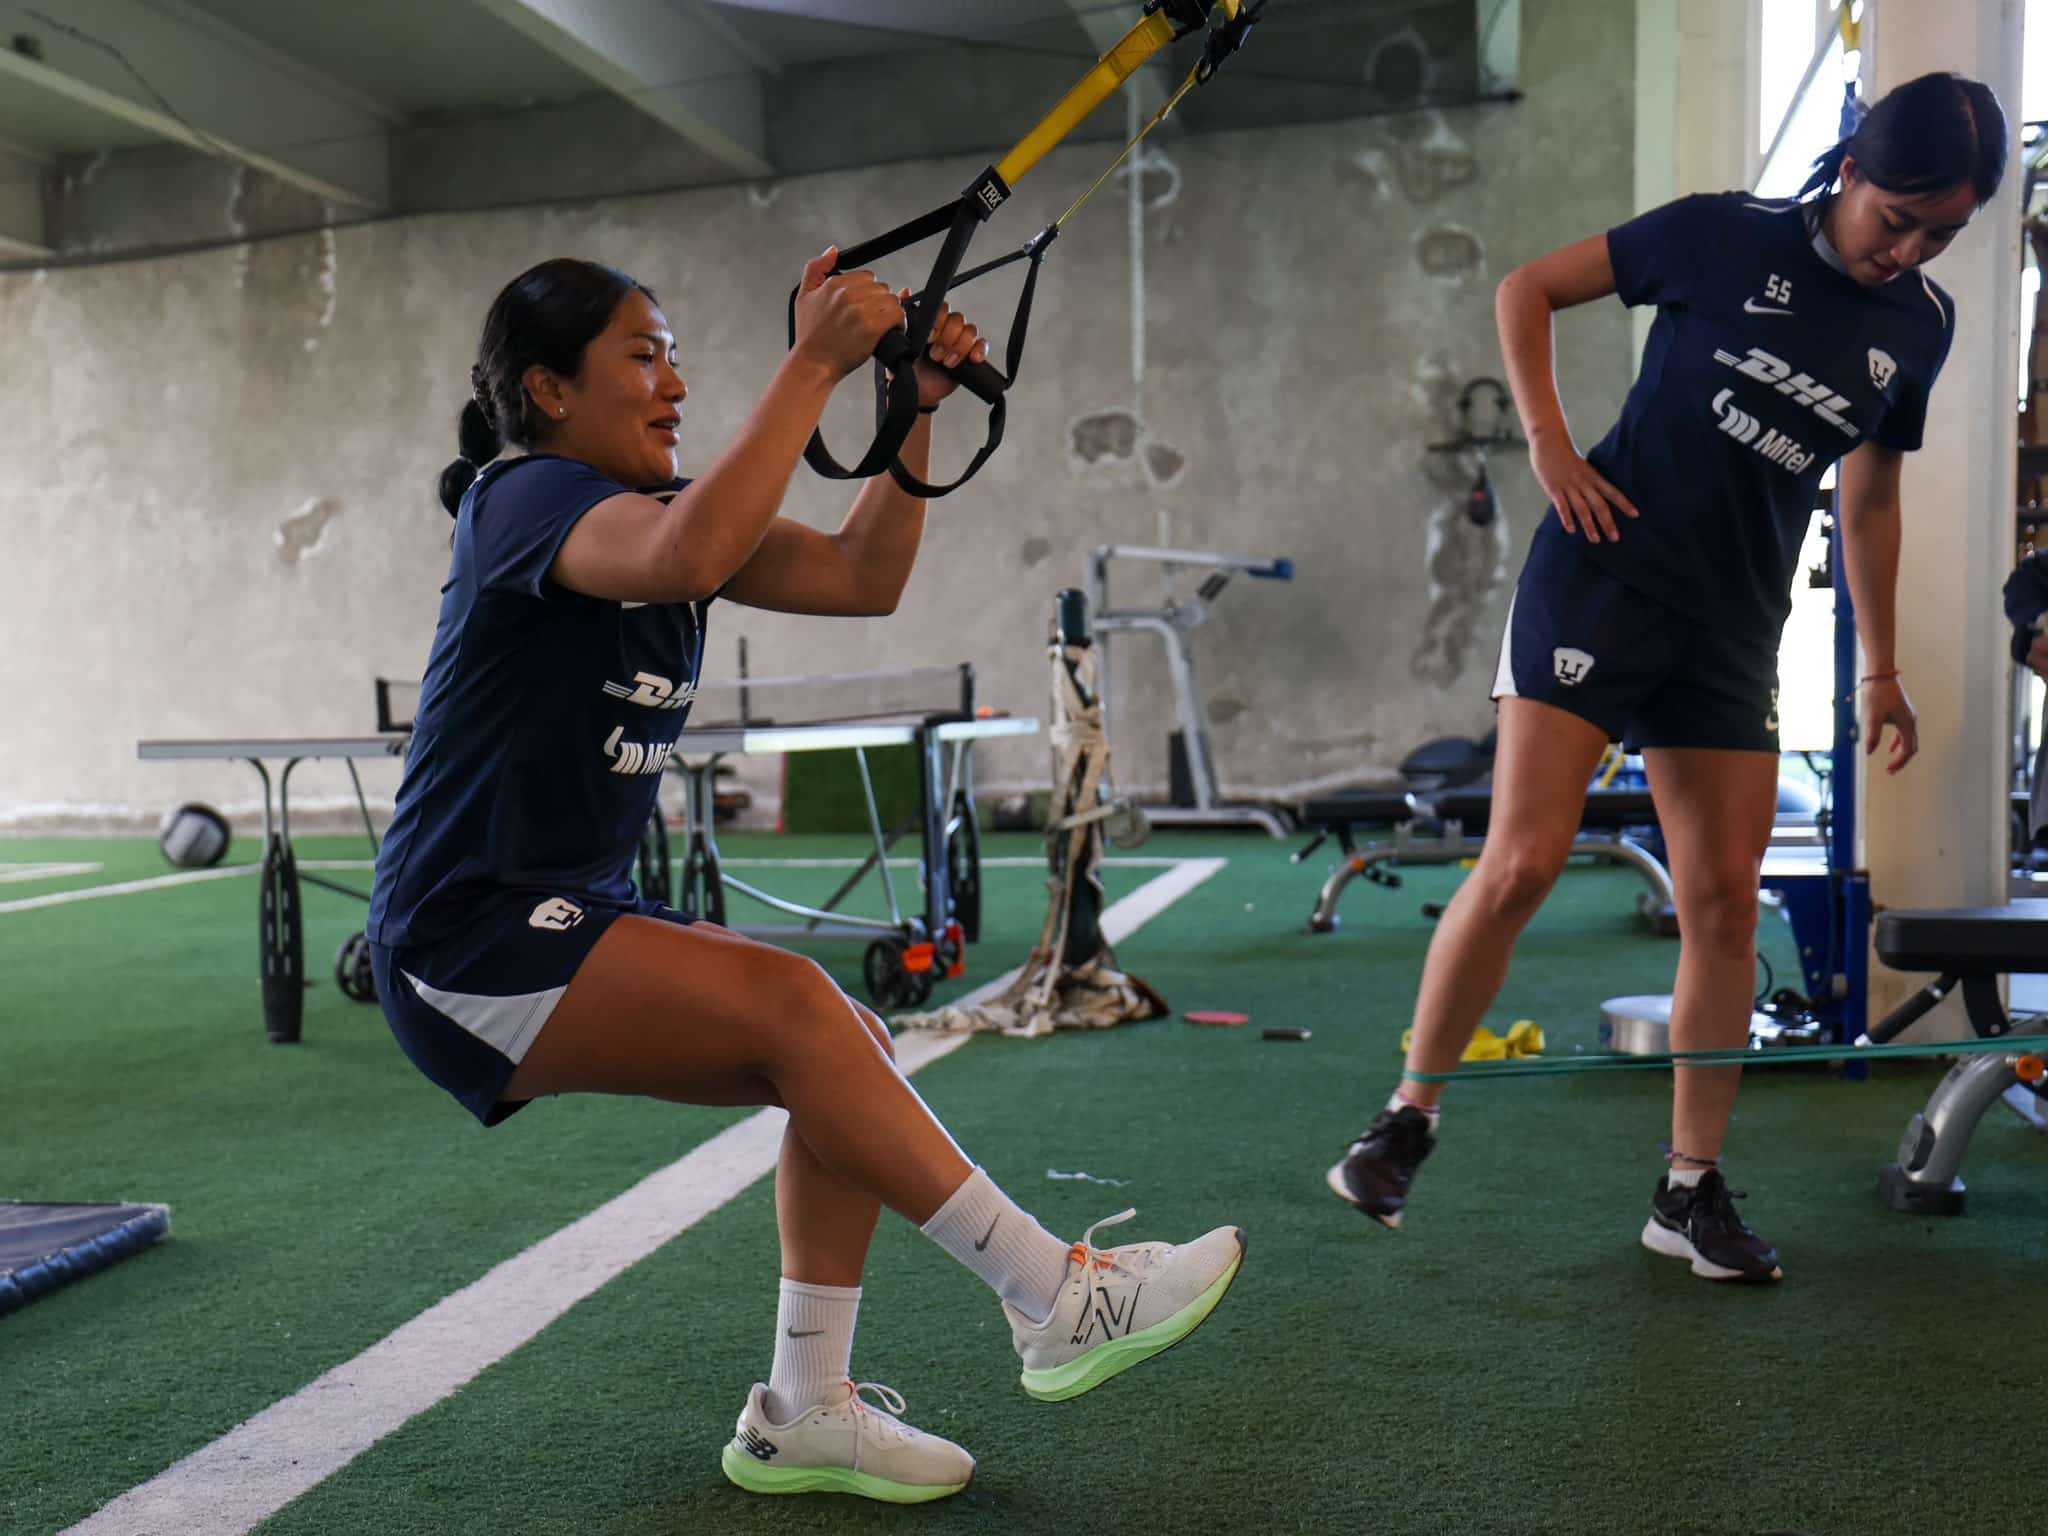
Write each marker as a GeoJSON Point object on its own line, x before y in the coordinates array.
{"type": "Point", "coordinates": [844, 1445]}
{"type": "Point", "coordinates": [1123, 1306]}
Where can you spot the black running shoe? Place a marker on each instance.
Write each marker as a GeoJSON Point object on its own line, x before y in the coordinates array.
{"type": "Point", "coordinates": [1376, 1172]}
{"type": "Point", "coordinates": [1700, 1225]}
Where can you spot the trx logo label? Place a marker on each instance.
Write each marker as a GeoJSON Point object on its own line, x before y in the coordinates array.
{"type": "Point", "coordinates": [755, 1444]}
{"type": "Point", "coordinates": [1882, 367]}
{"type": "Point", "coordinates": [653, 692]}
{"type": "Point", "coordinates": [1773, 445]}
{"type": "Point", "coordinates": [1776, 372]}
{"type": "Point", "coordinates": [987, 192]}
{"type": "Point", "coordinates": [557, 914]}
{"type": "Point", "coordinates": [636, 756]}
{"type": "Point", "coordinates": [1105, 1314]}
{"type": "Point", "coordinates": [1571, 666]}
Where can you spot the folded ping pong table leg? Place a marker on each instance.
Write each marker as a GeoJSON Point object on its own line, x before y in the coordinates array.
{"type": "Point", "coordinates": [931, 807]}
{"type": "Point", "coordinates": [283, 937]}
{"type": "Point", "coordinates": [701, 892]}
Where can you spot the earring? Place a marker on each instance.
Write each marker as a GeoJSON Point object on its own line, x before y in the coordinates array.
{"type": "Point", "coordinates": [561, 410]}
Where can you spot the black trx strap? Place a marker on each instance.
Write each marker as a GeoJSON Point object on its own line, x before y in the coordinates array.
{"type": "Point", "coordinates": [896, 356]}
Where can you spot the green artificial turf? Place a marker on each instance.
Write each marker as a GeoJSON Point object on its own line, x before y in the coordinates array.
{"type": "Point", "coordinates": [1511, 1361]}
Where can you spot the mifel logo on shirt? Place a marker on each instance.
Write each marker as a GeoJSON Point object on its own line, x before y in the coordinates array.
{"type": "Point", "coordinates": [635, 757]}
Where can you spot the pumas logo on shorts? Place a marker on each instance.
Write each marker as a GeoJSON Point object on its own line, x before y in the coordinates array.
{"type": "Point", "coordinates": [1882, 368]}
{"type": "Point", "coordinates": [1571, 666]}
{"type": "Point", "coordinates": [557, 914]}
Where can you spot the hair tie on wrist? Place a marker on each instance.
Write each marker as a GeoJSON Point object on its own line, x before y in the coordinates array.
{"type": "Point", "coordinates": [1881, 677]}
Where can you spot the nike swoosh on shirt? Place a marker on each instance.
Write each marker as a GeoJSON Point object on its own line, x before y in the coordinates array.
{"type": "Point", "coordinates": [1751, 307]}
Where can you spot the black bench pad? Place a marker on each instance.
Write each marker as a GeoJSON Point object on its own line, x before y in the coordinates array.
{"type": "Point", "coordinates": [1607, 810]}
{"type": "Point", "coordinates": [1981, 940]}
{"type": "Point", "coordinates": [1358, 807]}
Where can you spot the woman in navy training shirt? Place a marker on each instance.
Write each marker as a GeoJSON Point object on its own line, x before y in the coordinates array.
{"type": "Point", "coordinates": [514, 958]}
{"type": "Point", "coordinates": [1789, 335]}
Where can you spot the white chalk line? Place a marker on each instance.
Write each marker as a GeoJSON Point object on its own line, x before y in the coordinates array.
{"type": "Point", "coordinates": [13, 874]}
{"type": "Point", "coordinates": [229, 871]}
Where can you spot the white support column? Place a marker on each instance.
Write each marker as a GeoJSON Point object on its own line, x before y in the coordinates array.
{"type": "Point", "coordinates": [1696, 105]}
{"type": "Point", "coordinates": [1935, 836]}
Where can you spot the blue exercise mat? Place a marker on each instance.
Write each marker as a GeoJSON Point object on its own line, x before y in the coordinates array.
{"type": "Point", "coordinates": [43, 1246]}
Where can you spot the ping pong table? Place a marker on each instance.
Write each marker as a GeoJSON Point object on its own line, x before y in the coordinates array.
{"type": "Point", "coordinates": [281, 931]}
{"type": "Point", "coordinates": [907, 952]}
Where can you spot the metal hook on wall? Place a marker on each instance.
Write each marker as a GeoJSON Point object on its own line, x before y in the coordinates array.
{"type": "Point", "coordinates": [1481, 505]}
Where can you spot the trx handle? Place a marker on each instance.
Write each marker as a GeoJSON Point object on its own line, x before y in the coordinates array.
{"type": "Point", "coordinates": [897, 353]}
{"type": "Point", "coordinates": [980, 380]}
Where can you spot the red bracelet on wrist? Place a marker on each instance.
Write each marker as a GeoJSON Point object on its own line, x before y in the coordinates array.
{"type": "Point", "coordinates": [1881, 677]}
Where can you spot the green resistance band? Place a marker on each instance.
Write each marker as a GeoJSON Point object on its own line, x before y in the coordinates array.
{"type": "Point", "coordinates": [2019, 1045]}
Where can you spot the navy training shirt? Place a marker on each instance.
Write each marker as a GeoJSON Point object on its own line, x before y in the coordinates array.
{"type": "Point", "coordinates": [545, 718]}
{"type": "Point", "coordinates": [1765, 364]}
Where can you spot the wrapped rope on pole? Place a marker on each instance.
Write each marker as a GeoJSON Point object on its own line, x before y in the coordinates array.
{"type": "Point", "coordinates": [1072, 980]}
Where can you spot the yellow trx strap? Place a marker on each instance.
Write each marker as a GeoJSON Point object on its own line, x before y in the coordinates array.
{"type": "Point", "coordinates": [1123, 59]}
{"type": "Point", "coordinates": [1227, 22]}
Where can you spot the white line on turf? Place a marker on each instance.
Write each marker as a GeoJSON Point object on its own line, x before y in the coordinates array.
{"type": "Point", "coordinates": [125, 888]}
{"type": "Point", "coordinates": [11, 873]}
{"type": "Point", "coordinates": [1005, 861]}
{"type": "Point", "coordinates": [165, 882]}
{"type": "Point", "coordinates": [228, 871]}
{"type": "Point", "coordinates": [262, 1464]}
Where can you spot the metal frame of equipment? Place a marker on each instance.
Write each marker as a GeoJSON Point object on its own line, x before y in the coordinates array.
{"type": "Point", "coordinates": [1173, 621]}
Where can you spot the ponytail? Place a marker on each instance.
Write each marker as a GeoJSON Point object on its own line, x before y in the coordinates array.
{"type": "Point", "coordinates": [1827, 168]}
{"type": "Point", "coordinates": [1939, 131]}
{"type": "Point", "coordinates": [546, 317]}
{"type": "Point", "coordinates": [479, 443]}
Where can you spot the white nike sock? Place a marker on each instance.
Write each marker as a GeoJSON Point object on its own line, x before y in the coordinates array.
{"type": "Point", "coordinates": [813, 1346]}
{"type": "Point", "coordinates": [1684, 1178]}
{"type": "Point", "coordinates": [988, 1232]}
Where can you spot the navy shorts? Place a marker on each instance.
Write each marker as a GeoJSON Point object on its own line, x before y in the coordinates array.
{"type": "Point", "coordinates": [1644, 673]}
{"type": "Point", "coordinates": [466, 1008]}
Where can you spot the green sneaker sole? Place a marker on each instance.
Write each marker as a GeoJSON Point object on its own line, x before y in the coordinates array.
{"type": "Point", "coordinates": [1112, 1357]}
{"type": "Point", "coordinates": [755, 1477]}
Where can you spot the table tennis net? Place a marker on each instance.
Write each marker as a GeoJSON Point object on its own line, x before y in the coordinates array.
{"type": "Point", "coordinates": [809, 699]}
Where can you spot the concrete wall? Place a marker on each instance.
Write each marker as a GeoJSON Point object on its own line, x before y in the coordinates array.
{"type": "Point", "coordinates": [216, 486]}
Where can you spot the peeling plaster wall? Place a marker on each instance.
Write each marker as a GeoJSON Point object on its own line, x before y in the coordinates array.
{"type": "Point", "coordinates": [217, 486]}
